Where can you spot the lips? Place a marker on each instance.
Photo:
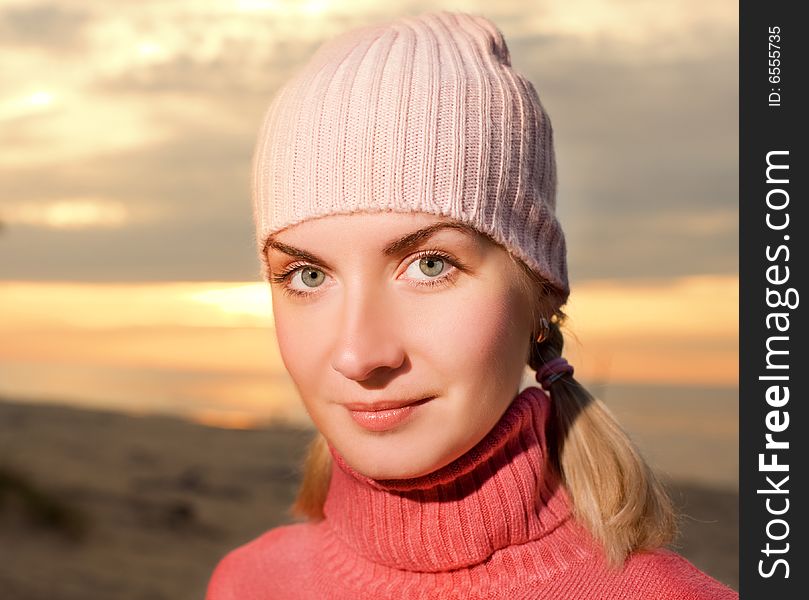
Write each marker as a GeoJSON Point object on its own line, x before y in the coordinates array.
{"type": "Point", "coordinates": [384, 416]}
{"type": "Point", "coordinates": [384, 404]}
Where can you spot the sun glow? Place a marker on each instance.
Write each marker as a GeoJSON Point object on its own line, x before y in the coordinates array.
{"type": "Point", "coordinates": [40, 98]}
{"type": "Point", "coordinates": [251, 299]}
{"type": "Point", "coordinates": [69, 214]}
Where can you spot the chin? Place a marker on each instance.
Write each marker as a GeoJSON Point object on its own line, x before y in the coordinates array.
{"type": "Point", "coordinates": [400, 466]}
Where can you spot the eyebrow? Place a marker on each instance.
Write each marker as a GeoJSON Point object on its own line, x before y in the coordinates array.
{"type": "Point", "coordinates": [397, 246]}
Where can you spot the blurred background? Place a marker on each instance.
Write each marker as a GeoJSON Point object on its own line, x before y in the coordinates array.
{"type": "Point", "coordinates": [147, 424]}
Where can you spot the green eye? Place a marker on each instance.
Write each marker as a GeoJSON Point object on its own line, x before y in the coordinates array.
{"type": "Point", "coordinates": [431, 266]}
{"type": "Point", "coordinates": [312, 277]}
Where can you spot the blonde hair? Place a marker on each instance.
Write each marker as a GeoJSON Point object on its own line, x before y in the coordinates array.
{"type": "Point", "coordinates": [614, 492]}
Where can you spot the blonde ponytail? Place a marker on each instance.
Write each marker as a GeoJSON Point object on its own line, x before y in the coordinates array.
{"type": "Point", "coordinates": [315, 481]}
{"type": "Point", "coordinates": [615, 494]}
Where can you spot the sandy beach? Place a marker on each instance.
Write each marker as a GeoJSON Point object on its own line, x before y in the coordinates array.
{"type": "Point", "coordinates": [97, 504]}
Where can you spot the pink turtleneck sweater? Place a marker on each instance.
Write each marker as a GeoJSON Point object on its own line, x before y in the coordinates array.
{"type": "Point", "coordinates": [492, 524]}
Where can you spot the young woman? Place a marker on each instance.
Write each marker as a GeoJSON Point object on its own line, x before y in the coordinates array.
{"type": "Point", "coordinates": [404, 191]}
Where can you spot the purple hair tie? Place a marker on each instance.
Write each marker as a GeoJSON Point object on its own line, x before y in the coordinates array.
{"type": "Point", "coordinates": [553, 370]}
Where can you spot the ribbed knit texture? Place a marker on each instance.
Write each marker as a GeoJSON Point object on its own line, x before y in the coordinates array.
{"type": "Point", "coordinates": [495, 523]}
{"type": "Point", "coordinates": [423, 114]}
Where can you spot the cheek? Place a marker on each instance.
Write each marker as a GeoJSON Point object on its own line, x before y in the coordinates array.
{"type": "Point", "coordinates": [486, 328]}
{"type": "Point", "coordinates": [300, 346]}
{"type": "Point", "coordinates": [297, 343]}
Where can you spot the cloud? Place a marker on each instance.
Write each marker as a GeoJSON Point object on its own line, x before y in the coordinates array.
{"type": "Point", "coordinates": [647, 149]}
{"type": "Point", "coordinates": [67, 214]}
{"type": "Point", "coordinates": [44, 26]}
{"type": "Point", "coordinates": [160, 110]}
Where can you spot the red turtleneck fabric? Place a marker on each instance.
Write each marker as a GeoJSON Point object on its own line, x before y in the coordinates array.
{"type": "Point", "coordinates": [492, 524]}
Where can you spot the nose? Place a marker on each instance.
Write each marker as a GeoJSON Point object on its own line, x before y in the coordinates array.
{"type": "Point", "coordinates": [367, 344]}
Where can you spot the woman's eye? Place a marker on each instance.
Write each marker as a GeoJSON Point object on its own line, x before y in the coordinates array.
{"type": "Point", "coordinates": [310, 277]}
{"type": "Point", "coordinates": [431, 266]}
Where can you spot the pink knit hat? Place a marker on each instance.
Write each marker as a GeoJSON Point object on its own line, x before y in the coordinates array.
{"type": "Point", "coordinates": [420, 114]}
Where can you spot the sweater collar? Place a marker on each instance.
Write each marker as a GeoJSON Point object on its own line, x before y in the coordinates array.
{"type": "Point", "coordinates": [500, 493]}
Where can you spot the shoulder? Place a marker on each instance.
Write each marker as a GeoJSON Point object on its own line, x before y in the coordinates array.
{"type": "Point", "coordinates": [668, 575]}
{"type": "Point", "coordinates": [269, 564]}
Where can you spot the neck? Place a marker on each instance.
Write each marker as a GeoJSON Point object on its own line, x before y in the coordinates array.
{"type": "Point", "coordinates": [500, 493]}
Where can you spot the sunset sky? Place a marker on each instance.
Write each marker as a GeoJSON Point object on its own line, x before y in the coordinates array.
{"type": "Point", "coordinates": [128, 276]}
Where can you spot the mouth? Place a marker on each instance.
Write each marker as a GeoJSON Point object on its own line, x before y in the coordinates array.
{"type": "Point", "coordinates": [384, 404]}
{"type": "Point", "coordinates": [384, 416]}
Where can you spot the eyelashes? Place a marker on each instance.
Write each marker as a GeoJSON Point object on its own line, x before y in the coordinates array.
{"type": "Point", "coordinates": [446, 278]}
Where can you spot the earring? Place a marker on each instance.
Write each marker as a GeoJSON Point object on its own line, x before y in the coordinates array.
{"type": "Point", "coordinates": [544, 330]}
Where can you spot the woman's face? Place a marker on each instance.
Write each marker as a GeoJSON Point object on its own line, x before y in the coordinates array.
{"type": "Point", "coordinates": [374, 308]}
